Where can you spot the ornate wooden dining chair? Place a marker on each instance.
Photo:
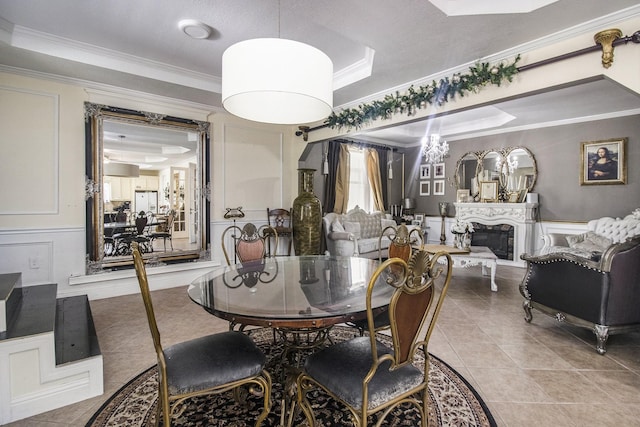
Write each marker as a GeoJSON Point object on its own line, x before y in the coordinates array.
{"type": "Point", "coordinates": [280, 219]}
{"type": "Point", "coordinates": [212, 364]}
{"type": "Point", "coordinates": [400, 246]}
{"type": "Point", "coordinates": [141, 236]}
{"type": "Point", "coordinates": [402, 241]}
{"type": "Point", "coordinates": [249, 242]}
{"type": "Point", "coordinates": [165, 233]}
{"type": "Point", "coordinates": [367, 376]}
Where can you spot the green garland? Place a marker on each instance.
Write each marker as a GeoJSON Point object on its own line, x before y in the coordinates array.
{"type": "Point", "coordinates": [437, 93]}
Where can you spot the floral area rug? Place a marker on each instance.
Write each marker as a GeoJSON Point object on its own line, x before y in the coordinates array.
{"type": "Point", "coordinates": [453, 402]}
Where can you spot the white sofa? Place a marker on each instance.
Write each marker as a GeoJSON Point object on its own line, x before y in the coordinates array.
{"type": "Point", "coordinates": [357, 233]}
{"type": "Point", "coordinates": [601, 233]}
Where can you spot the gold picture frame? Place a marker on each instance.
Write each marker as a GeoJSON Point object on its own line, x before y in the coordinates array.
{"type": "Point", "coordinates": [488, 191]}
{"type": "Point", "coordinates": [462, 196]}
{"type": "Point", "coordinates": [603, 162]}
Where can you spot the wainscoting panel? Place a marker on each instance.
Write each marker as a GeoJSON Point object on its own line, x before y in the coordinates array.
{"type": "Point", "coordinates": [43, 255]}
{"type": "Point", "coordinates": [34, 260]}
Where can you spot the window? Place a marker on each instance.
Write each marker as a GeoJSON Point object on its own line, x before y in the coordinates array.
{"type": "Point", "coordinates": [359, 189]}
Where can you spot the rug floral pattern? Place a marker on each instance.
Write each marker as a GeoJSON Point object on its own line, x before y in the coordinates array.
{"type": "Point", "coordinates": [453, 402]}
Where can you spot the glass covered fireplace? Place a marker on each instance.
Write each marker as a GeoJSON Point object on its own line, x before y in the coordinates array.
{"type": "Point", "coordinates": [506, 228]}
{"type": "Point", "coordinates": [498, 238]}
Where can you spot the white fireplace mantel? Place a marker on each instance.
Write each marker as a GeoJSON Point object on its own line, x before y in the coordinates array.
{"type": "Point", "coordinates": [522, 216]}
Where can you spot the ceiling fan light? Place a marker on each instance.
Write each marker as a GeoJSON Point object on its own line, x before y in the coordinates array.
{"type": "Point", "coordinates": [122, 169]}
{"type": "Point", "coordinates": [277, 81]}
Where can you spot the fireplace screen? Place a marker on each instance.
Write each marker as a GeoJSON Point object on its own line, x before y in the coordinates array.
{"type": "Point", "coordinates": [498, 238]}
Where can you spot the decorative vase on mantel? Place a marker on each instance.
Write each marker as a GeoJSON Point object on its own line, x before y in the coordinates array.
{"type": "Point", "coordinates": [307, 216]}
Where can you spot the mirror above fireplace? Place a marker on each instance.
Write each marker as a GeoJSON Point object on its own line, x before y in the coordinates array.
{"type": "Point", "coordinates": [514, 168]}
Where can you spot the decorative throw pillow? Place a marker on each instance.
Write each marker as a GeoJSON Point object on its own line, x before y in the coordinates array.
{"type": "Point", "coordinates": [599, 240]}
{"type": "Point", "coordinates": [576, 238]}
{"type": "Point", "coordinates": [589, 241]}
{"type": "Point", "coordinates": [337, 226]}
{"type": "Point", "coordinates": [352, 227]}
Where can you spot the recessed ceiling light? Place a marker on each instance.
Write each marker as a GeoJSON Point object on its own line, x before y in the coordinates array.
{"type": "Point", "coordinates": [195, 29]}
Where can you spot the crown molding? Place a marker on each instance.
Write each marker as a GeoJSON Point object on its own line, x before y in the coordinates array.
{"type": "Point", "coordinates": [104, 90]}
{"type": "Point", "coordinates": [48, 44]}
{"type": "Point", "coordinates": [577, 30]}
{"type": "Point", "coordinates": [583, 119]}
{"type": "Point", "coordinates": [359, 70]}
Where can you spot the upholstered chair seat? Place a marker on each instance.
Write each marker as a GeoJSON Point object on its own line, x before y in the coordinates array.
{"type": "Point", "coordinates": [199, 364]}
{"type": "Point", "coordinates": [343, 367]}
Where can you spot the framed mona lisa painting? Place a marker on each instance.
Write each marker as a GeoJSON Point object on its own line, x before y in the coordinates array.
{"type": "Point", "coordinates": [604, 162]}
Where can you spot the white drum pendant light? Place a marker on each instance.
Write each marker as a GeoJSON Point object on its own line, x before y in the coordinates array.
{"type": "Point", "coordinates": [277, 81]}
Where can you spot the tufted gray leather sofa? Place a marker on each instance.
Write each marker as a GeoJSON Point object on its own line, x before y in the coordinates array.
{"type": "Point", "coordinates": [600, 291]}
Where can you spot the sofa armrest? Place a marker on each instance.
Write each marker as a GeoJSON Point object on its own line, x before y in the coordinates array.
{"type": "Point", "coordinates": [341, 235]}
{"type": "Point", "coordinates": [555, 239]}
{"type": "Point", "coordinates": [344, 243]}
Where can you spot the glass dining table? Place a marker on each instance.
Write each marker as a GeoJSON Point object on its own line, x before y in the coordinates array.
{"type": "Point", "coordinates": [296, 292]}
{"type": "Point", "coordinates": [300, 297]}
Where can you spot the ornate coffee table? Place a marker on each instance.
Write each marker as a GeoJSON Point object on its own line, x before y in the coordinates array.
{"type": "Point", "coordinates": [478, 255]}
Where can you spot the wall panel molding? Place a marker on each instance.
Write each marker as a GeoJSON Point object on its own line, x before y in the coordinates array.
{"type": "Point", "coordinates": [253, 169]}
{"type": "Point", "coordinates": [30, 154]}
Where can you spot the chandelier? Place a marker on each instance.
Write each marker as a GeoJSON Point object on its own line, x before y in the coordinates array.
{"type": "Point", "coordinates": [435, 149]}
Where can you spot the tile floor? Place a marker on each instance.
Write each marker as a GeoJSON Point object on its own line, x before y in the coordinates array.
{"type": "Point", "coordinates": [538, 374]}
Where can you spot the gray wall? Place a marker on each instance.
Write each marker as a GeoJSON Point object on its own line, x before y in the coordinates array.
{"type": "Point", "coordinates": [557, 151]}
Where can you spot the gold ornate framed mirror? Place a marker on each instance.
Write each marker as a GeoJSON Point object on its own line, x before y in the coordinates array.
{"type": "Point", "coordinates": [466, 173]}
{"type": "Point", "coordinates": [514, 169]}
{"type": "Point", "coordinates": [519, 170]}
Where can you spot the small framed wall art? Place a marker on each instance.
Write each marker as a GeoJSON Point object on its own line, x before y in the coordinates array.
{"type": "Point", "coordinates": [438, 170]}
{"type": "Point", "coordinates": [425, 188]}
{"type": "Point", "coordinates": [438, 187]}
{"type": "Point", "coordinates": [425, 171]}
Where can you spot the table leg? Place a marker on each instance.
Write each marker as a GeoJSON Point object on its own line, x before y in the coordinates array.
{"type": "Point", "coordinates": [492, 266]}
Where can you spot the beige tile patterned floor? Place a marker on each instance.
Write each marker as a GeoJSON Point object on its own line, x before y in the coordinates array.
{"type": "Point", "coordinates": [538, 374]}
